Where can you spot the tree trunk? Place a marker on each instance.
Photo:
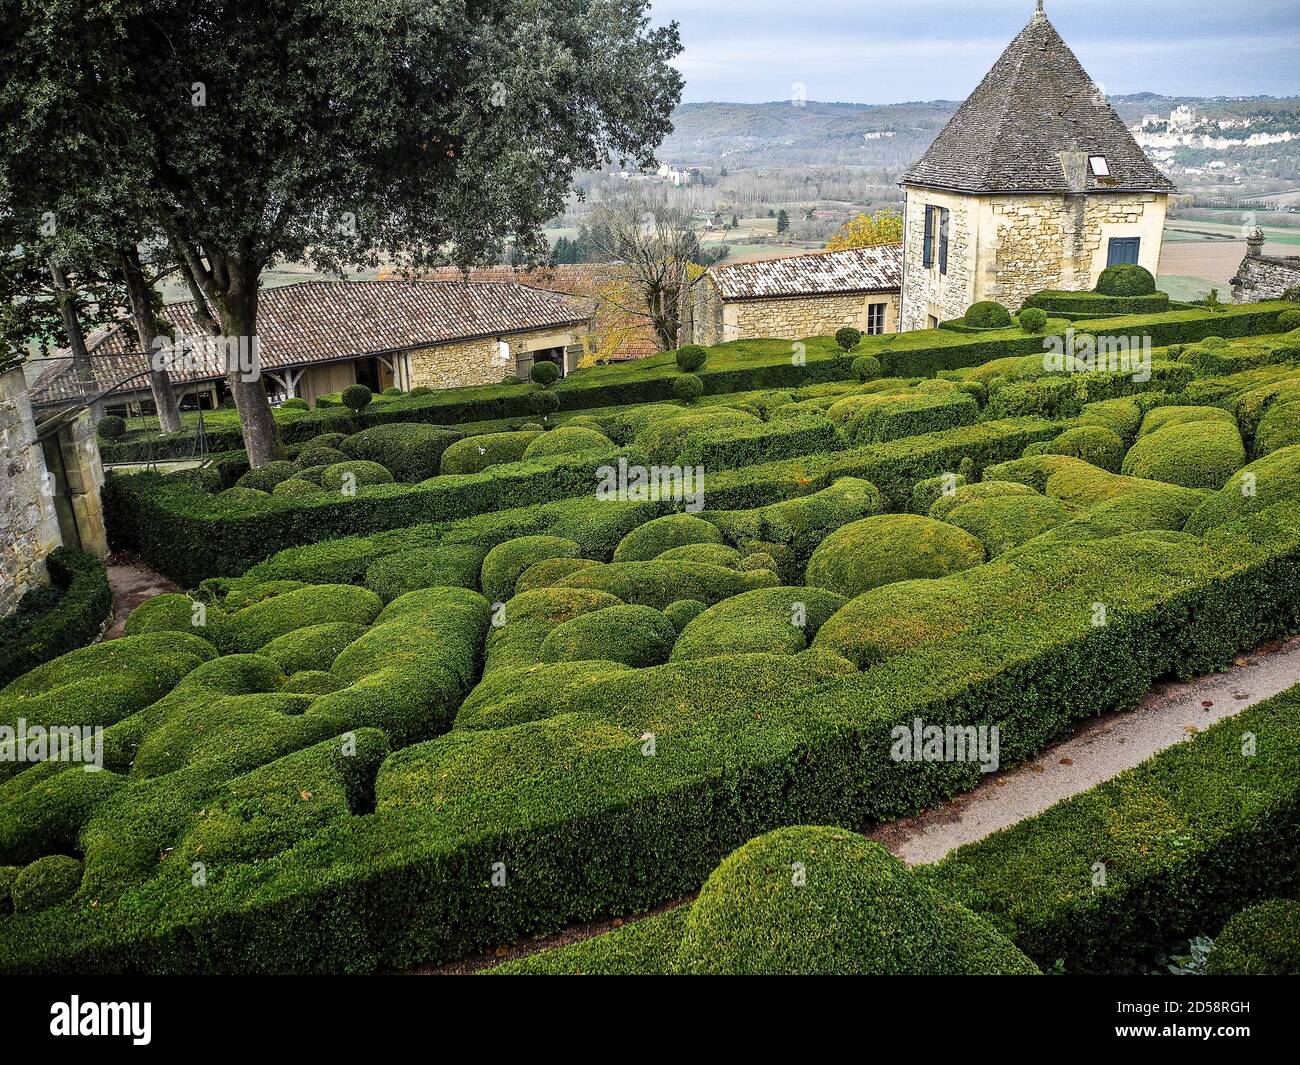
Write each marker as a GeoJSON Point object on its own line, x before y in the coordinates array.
{"type": "Point", "coordinates": [140, 294]}
{"type": "Point", "coordinates": [72, 326]}
{"type": "Point", "coordinates": [236, 309]}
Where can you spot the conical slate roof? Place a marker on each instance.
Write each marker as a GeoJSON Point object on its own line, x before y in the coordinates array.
{"type": "Point", "coordinates": [1035, 104]}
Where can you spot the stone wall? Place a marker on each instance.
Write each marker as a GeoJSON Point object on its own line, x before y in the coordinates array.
{"type": "Point", "coordinates": [805, 316]}
{"type": "Point", "coordinates": [29, 525]}
{"type": "Point", "coordinates": [479, 362]}
{"type": "Point", "coordinates": [1006, 248]}
{"type": "Point", "coordinates": [703, 311]}
{"type": "Point", "coordinates": [927, 293]}
{"type": "Point", "coordinates": [1265, 277]}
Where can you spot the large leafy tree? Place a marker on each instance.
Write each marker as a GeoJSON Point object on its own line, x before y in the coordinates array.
{"type": "Point", "coordinates": [335, 132]}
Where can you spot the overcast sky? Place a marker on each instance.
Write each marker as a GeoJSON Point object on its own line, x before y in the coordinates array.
{"type": "Point", "coordinates": [887, 51]}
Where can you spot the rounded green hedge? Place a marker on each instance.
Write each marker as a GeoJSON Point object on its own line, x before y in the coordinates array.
{"type": "Point", "coordinates": [1093, 443]}
{"type": "Point", "coordinates": [987, 314]}
{"type": "Point", "coordinates": [543, 402]}
{"type": "Point", "coordinates": [410, 451]}
{"type": "Point", "coordinates": [45, 883]}
{"type": "Point", "coordinates": [1279, 428]}
{"type": "Point", "coordinates": [767, 620]}
{"type": "Point", "coordinates": [1288, 320]}
{"type": "Point", "coordinates": [867, 368]}
{"type": "Point", "coordinates": [565, 440]}
{"type": "Point", "coordinates": [1267, 481]}
{"type": "Point", "coordinates": [359, 471]}
{"type": "Point", "coordinates": [688, 387]}
{"type": "Point", "coordinates": [315, 455]}
{"type": "Point", "coordinates": [1126, 279]}
{"type": "Point", "coordinates": [111, 427]}
{"type": "Point", "coordinates": [690, 357]}
{"type": "Point", "coordinates": [1162, 417]}
{"type": "Point", "coordinates": [826, 901]}
{"type": "Point", "coordinates": [297, 486]}
{"type": "Point", "coordinates": [659, 583]}
{"type": "Point", "coordinates": [474, 454]}
{"type": "Point", "coordinates": [636, 636]}
{"type": "Point", "coordinates": [1202, 454]}
{"type": "Point", "coordinates": [1032, 319]}
{"type": "Point", "coordinates": [450, 565]}
{"type": "Point", "coordinates": [683, 611]}
{"type": "Point", "coordinates": [1004, 522]}
{"type": "Point", "coordinates": [652, 539]}
{"type": "Point", "coordinates": [356, 397]}
{"type": "Point", "coordinates": [713, 554]}
{"type": "Point", "coordinates": [890, 547]}
{"type": "Point", "coordinates": [265, 478]}
{"type": "Point", "coordinates": [847, 338]}
{"type": "Point", "coordinates": [549, 572]}
{"type": "Point", "coordinates": [544, 373]}
{"type": "Point", "coordinates": [507, 562]}
{"type": "Point", "coordinates": [967, 493]}
{"type": "Point", "coordinates": [1261, 941]}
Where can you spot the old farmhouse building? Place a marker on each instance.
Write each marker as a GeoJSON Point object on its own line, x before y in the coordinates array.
{"type": "Point", "coordinates": [318, 337]}
{"type": "Point", "coordinates": [1034, 184]}
{"type": "Point", "coordinates": [798, 296]}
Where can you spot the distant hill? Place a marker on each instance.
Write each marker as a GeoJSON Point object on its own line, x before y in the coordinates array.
{"type": "Point", "coordinates": [784, 133]}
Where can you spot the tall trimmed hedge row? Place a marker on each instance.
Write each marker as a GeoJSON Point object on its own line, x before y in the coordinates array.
{"type": "Point", "coordinates": [56, 619]}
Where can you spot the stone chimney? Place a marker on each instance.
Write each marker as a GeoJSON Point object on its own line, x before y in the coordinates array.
{"type": "Point", "coordinates": [1255, 244]}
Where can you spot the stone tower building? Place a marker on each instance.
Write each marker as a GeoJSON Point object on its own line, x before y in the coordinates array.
{"type": "Point", "coordinates": [1034, 184]}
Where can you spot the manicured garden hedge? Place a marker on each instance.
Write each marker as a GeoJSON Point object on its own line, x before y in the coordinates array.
{"type": "Point", "coordinates": [1185, 840]}
{"type": "Point", "coordinates": [56, 619]}
{"type": "Point", "coordinates": [585, 823]}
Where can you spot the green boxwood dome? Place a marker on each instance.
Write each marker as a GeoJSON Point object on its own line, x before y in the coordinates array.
{"type": "Point", "coordinates": [362, 472]}
{"type": "Point", "coordinates": [890, 547]}
{"type": "Point", "coordinates": [1202, 454]}
{"type": "Point", "coordinates": [825, 901]}
{"type": "Point", "coordinates": [1003, 522]}
{"type": "Point", "coordinates": [987, 314]}
{"type": "Point", "coordinates": [1261, 941]}
{"type": "Point", "coordinates": [633, 635]}
{"type": "Point", "coordinates": [476, 453]}
{"type": "Point", "coordinates": [1162, 417]}
{"type": "Point", "coordinates": [652, 539]}
{"type": "Point", "coordinates": [506, 562]}
{"type": "Point", "coordinates": [266, 477]}
{"type": "Point", "coordinates": [410, 451]}
{"type": "Point", "coordinates": [549, 572]}
{"type": "Point", "coordinates": [1274, 478]}
{"type": "Point", "coordinates": [1093, 443]}
{"type": "Point", "coordinates": [968, 493]}
{"type": "Point", "coordinates": [1126, 279]}
{"type": "Point", "coordinates": [566, 440]}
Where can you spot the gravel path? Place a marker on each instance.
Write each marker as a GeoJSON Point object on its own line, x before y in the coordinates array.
{"type": "Point", "coordinates": [1101, 749]}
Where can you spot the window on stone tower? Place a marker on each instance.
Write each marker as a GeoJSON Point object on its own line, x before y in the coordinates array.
{"type": "Point", "coordinates": [936, 219]}
{"type": "Point", "coordinates": [927, 251]}
{"type": "Point", "coordinates": [943, 240]}
{"type": "Point", "coordinates": [875, 319]}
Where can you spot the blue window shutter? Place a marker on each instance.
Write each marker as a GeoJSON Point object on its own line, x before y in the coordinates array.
{"type": "Point", "coordinates": [943, 240]}
{"type": "Point", "coordinates": [1123, 250]}
{"type": "Point", "coordinates": [927, 255]}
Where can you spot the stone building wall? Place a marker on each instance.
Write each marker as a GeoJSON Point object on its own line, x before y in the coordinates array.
{"type": "Point", "coordinates": [704, 312]}
{"type": "Point", "coordinates": [1265, 277]}
{"type": "Point", "coordinates": [805, 316]}
{"type": "Point", "coordinates": [467, 362]}
{"type": "Point", "coordinates": [927, 293]}
{"type": "Point", "coordinates": [1006, 248]}
{"type": "Point", "coordinates": [29, 524]}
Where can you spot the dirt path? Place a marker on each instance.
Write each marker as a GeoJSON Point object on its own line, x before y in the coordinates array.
{"type": "Point", "coordinates": [1101, 749]}
{"type": "Point", "coordinates": [132, 582]}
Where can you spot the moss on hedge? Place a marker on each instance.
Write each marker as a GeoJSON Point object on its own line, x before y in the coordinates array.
{"type": "Point", "coordinates": [888, 548]}
{"type": "Point", "coordinates": [825, 901]}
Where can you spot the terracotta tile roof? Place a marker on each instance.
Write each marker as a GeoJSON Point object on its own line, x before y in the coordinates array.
{"type": "Point", "coordinates": [878, 269]}
{"type": "Point", "coordinates": [1036, 103]}
{"type": "Point", "coordinates": [316, 322]}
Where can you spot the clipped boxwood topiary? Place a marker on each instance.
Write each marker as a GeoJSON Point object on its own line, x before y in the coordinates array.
{"type": "Point", "coordinates": [1032, 319]}
{"type": "Point", "coordinates": [825, 901]}
{"type": "Point", "coordinates": [688, 388]}
{"type": "Point", "coordinates": [1126, 279]}
{"type": "Point", "coordinates": [507, 562]}
{"type": "Point", "coordinates": [543, 402]}
{"type": "Point", "coordinates": [296, 486]}
{"type": "Point", "coordinates": [544, 373]}
{"type": "Point", "coordinates": [294, 403]}
{"type": "Point", "coordinates": [1261, 941]}
{"type": "Point", "coordinates": [354, 474]}
{"type": "Point", "coordinates": [682, 612]}
{"type": "Point", "coordinates": [848, 338]}
{"type": "Point", "coordinates": [1163, 417]}
{"type": "Point", "coordinates": [1288, 320]}
{"type": "Point", "coordinates": [265, 478]}
{"type": "Point", "coordinates": [1201, 454]}
{"type": "Point", "coordinates": [451, 565]}
{"type": "Point", "coordinates": [987, 314]}
{"type": "Point", "coordinates": [356, 397]}
{"type": "Point", "coordinates": [45, 883]}
{"type": "Point", "coordinates": [111, 427]}
{"type": "Point", "coordinates": [549, 572]}
{"type": "Point", "coordinates": [652, 539]}
{"type": "Point", "coordinates": [409, 451]}
{"type": "Point", "coordinates": [867, 368]}
{"type": "Point", "coordinates": [890, 547]}
{"type": "Point", "coordinates": [315, 455]}
{"type": "Point", "coordinates": [476, 453]}
{"type": "Point", "coordinates": [690, 357]}
{"type": "Point", "coordinates": [636, 636]}
{"type": "Point", "coordinates": [1272, 479]}
{"type": "Point", "coordinates": [566, 440]}
{"type": "Point", "coordinates": [1093, 443]}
